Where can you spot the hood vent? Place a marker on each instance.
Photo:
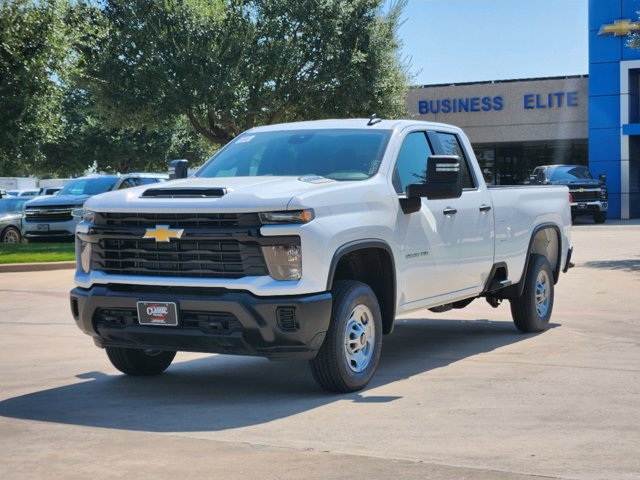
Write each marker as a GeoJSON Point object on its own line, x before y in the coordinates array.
{"type": "Point", "coordinates": [184, 192]}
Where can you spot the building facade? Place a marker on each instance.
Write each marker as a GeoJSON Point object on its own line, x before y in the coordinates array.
{"type": "Point", "coordinates": [594, 120]}
{"type": "Point", "coordinates": [514, 125]}
{"type": "Point", "coordinates": [614, 105]}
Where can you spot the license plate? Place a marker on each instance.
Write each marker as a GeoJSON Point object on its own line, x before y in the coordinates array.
{"type": "Point", "coordinates": [158, 313]}
{"type": "Point", "coordinates": [582, 206]}
{"type": "Point", "coordinates": [43, 227]}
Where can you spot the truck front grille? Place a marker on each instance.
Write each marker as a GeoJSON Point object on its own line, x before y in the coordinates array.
{"type": "Point", "coordinates": [178, 220]}
{"type": "Point", "coordinates": [60, 213]}
{"type": "Point", "coordinates": [585, 196]}
{"type": "Point", "coordinates": [227, 258]}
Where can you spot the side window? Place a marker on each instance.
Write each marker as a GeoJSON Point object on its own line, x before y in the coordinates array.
{"type": "Point", "coordinates": [147, 180]}
{"type": "Point", "coordinates": [127, 183]}
{"type": "Point", "coordinates": [451, 146]}
{"type": "Point", "coordinates": [411, 166]}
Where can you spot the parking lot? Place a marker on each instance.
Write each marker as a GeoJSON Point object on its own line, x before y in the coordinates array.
{"type": "Point", "coordinates": [457, 395]}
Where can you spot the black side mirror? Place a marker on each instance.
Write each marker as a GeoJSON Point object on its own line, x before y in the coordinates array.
{"type": "Point", "coordinates": [444, 179]}
{"type": "Point", "coordinates": [603, 178]}
{"type": "Point", "coordinates": [178, 169]}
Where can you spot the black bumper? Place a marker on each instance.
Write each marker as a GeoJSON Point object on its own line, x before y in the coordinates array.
{"type": "Point", "coordinates": [209, 321]}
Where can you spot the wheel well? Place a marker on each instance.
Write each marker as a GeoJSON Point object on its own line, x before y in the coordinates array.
{"type": "Point", "coordinates": [546, 242]}
{"type": "Point", "coordinates": [374, 267]}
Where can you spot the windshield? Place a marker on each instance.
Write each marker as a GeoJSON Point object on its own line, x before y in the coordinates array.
{"type": "Point", "coordinates": [336, 154]}
{"type": "Point", "coordinates": [570, 173]}
{"type": "Point", "coordinates": [89, 186]}
{"type": "Point", "coordinates": [12, 205]}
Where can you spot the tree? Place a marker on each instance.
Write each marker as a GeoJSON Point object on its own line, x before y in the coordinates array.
{"type": "Point", "coordinates": [31, 52]}
{"type": "Point", "coordinates": [86, 138]}
{"type": "Point", "coordinates": [228, 65]}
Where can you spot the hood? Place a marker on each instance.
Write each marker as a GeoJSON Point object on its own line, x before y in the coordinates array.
{"type": "Point", "coordinates": [239, 194]}
{"type": "Point", "coordinates": [577, 183]}
{"type": "Point", "coordinates": [54, 200]}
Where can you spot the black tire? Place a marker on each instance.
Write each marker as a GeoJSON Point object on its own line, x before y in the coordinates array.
{"type": "Point", "coordinates": [350, 353]}
{"type": "Point", "coordinates": [10, 235]}
{"type": "Point", "coordinates": [600, 217]}
{"type": "Point", "coordinates": [137, 362]}
{"type": "Point", "coordinates": [531, 311]}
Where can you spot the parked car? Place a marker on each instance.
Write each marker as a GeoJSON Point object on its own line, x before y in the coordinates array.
{"type": "Point", "coordinates": [11, 219]}
{"type": "Point", "coordinates": [49, 191]}
{"type": "Point", "coordinates": [51, 216]}
{"type": "Point", "coordinates": [588, 195]}
{"type": "Point", "coordinates": [23, 193]}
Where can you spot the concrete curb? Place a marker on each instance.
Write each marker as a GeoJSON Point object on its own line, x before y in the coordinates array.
{"type": "Point", "coordinates": [36, 267]}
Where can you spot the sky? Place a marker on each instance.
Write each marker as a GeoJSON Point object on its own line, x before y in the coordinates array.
{"type": "Point", "coordinates": [454, 41]}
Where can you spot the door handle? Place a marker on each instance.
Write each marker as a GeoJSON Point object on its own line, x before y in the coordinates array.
{"type": "Point", "coordinates": [485, 208]}
{"type": "Point", "coordinates": [449, 211]}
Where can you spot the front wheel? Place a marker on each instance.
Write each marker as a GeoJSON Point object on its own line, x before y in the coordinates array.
{"type": "Point", "coordinates": [600, 217]}
{"type": "Point", "coordinates": [138, 362]}
{"type": "Point", "coordinates": [10, 235]}
{"type": "Point", "coordinates": [531, 311]}
{"type": "Point", "coordinates": [349, 355]}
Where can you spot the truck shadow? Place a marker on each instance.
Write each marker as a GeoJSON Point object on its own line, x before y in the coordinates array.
{"type": "Point", "coordinates": [631, 265]}
{"type": "Point", "coordinates": [224, 392]}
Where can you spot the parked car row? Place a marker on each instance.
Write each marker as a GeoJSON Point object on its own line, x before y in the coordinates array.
{"type": "Point", "coordinates": [51, 216]}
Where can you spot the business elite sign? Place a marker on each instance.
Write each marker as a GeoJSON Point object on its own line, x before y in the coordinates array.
{"type": "Point", "coordinates": [496, 103]}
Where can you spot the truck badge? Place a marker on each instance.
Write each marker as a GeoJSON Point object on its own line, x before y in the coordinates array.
{"type": "Point", "coordinates": [162, 233]}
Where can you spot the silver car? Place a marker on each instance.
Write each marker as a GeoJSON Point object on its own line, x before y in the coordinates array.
{"type": "Point", "coordinates": [11, 210]}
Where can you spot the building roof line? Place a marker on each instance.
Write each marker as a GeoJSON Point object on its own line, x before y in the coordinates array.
{"type": "Point", "coordinates": [489, 82]}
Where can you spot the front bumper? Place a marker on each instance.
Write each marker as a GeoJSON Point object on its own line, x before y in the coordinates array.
{"type": "Point", "coordinates": [588, 208]}
{"type": "Point", "coordinates": [49, 229]}
{"type": "Point", "coordinates": [209, 320]}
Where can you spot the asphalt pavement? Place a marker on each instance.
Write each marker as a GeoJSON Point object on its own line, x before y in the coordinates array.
{"type": "Point", "coordinates": [459, 395]}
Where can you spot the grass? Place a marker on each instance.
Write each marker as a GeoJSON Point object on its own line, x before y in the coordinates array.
{"type": "Point", "coordinates": [36, 252]}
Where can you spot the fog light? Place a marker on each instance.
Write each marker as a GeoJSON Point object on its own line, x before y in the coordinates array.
{"type": "Point", "coordinates": [283, 261]}
{"type": "Point", "coordinates": [85, 256]}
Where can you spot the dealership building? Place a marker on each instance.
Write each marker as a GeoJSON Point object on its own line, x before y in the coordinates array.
{"type": "Point", "coordinates": [592, 120]}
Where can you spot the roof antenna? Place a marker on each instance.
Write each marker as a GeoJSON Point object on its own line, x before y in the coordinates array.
{"type": "Point", "coordinates": [373, 120]}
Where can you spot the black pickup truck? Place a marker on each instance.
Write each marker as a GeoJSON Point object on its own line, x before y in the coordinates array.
{"type": "Point", "coordinates": [588, 195]}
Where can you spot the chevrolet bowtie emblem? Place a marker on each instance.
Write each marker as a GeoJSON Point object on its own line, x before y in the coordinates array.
{"type": "Point", "coordinates": [162, 233]}
{"type": "Point", "coordinates": [620, 28]}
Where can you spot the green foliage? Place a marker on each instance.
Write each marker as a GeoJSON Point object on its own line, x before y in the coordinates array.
{"type": "Point", "coordinates": [31, 53]}
{"type": "Point", "coordinates": [228, 65]}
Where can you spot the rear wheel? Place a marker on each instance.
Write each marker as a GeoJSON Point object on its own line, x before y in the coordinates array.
{"type": "Point", "coordinates": [139, 362]}
{"type": "Point", "coordinates": [349, 355]}
{"type": "Point", "coordinates": [10, 235]}
{"type": "Point", "coordinates": [531, 311]}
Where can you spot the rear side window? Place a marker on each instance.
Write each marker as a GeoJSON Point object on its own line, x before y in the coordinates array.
{"type": "Point", "coordinates": [451, 146]}
{"type": "Point", "coordinates": [411, 166]}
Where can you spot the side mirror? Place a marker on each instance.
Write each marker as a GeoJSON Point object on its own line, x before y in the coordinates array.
{"type": "Point", "coordinates": [444, 179]}
{"type": "Point", "coordinates": [603, 178]}
{"type": "Point", "coordinates": [178, 169]}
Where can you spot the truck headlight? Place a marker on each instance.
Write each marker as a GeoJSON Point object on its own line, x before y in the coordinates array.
{"type": "Point", "coordinates": [293, 216]}
{"type": "Point", "coordinates": [84, 214]}
{"type": "Point", "coordinates": [283, 261]}
{"type": "Point", "coordinates": [604, 194]}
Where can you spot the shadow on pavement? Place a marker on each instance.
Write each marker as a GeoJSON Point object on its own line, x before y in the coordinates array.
{"type": "Point", "coordinates": [225, 392]}
{"type": "Point", "coordinates": [631, 265]}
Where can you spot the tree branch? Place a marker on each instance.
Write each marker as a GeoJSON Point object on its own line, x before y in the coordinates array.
{"type": "Point", "coordinates": [219, 139]}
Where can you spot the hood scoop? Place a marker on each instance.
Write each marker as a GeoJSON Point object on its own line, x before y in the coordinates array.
{"type": "Point", "coordinates": [191, 192]}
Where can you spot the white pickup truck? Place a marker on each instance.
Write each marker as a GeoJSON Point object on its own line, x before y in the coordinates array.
{"type": "Point", "coordinates": [305, 240]}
